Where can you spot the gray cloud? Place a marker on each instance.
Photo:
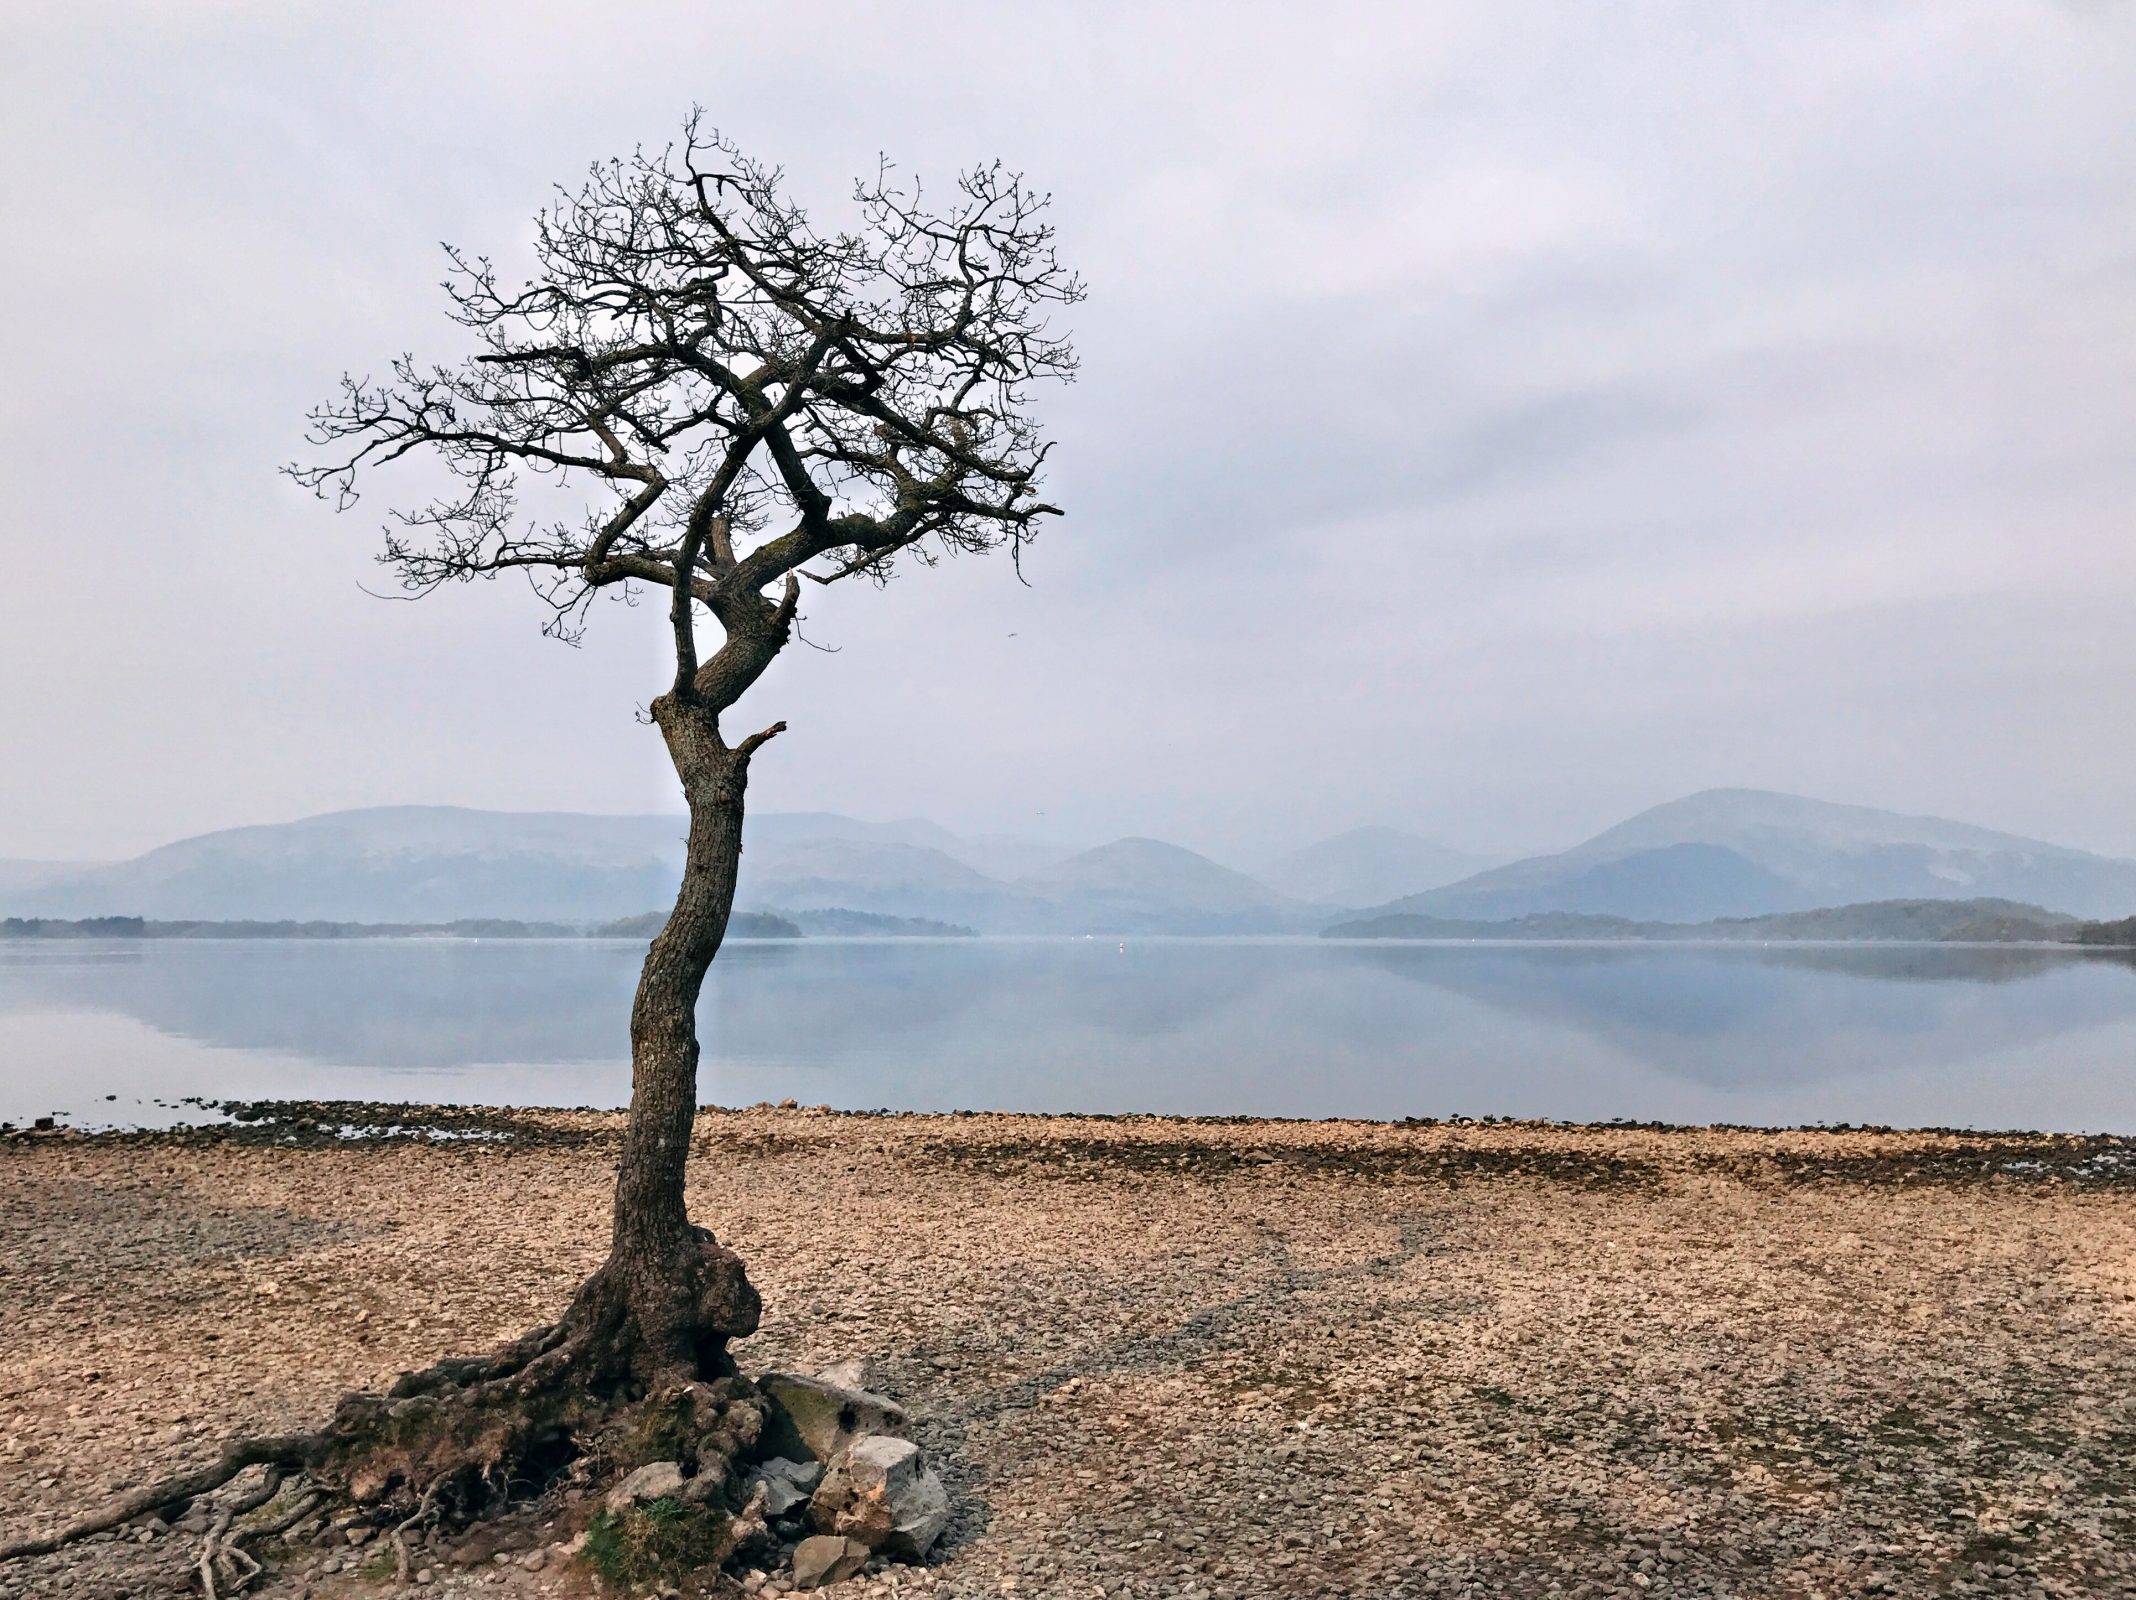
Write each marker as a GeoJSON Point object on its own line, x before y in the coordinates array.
{"type": "Point", "coordinates": [1493, 419]}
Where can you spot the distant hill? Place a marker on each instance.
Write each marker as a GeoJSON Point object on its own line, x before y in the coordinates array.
{"type": "Point", "coordinates": [844, 923]}
{"type": "Point", "coordinates": [889, 878]}
{"type": "Point", "coordinates": [741, 925]}
{"type": "Point", "coordinates": [1986, 921]}
{"type": "Point", "coordinates": [744, 925]}
{"type": "Point", "coordinates": [1367, 866]}
{"type": "Point", "coordinates": [1535, 925]}
{"type": "Point", "coordinates": [1146, 885]}
{"type": "Point", "coordinates": [1748, 852]}
{"type": "Point", "coordinates": [426, 866]}
{"type": "Point", "coordinates": [389, 864]}
{"type": "Point", "coordinates": [26, 877]}
{"type": "Point", "coordinates": [1728, 853]}
{"type": "Point", "coordinates": [997, 855]}
{"type": "Point", "coordinates": [2121, 933]}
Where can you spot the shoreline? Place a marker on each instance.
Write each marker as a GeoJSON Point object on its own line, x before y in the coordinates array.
{"type": "Point", "coordinates": [300, 1121]}
{"type": "Point", "coordinates": [2120, 945]}
{"type": "Point", "coordinates": [1163, 1356]}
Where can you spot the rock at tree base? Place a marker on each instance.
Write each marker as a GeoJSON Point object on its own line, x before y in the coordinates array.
{"type": "Point", "coordinates": [856, 1373]}
{"type": "Point", "coordinates": [659, 1480]}
{"type": "Point", "coordinates": [787, 1484]}
{"type": "Point", "coordinates": [815, 1419]}
{"type": "Point", "coordinates": [827, 1558]}
{"type": "Point", "coordinates": [882, 1494]}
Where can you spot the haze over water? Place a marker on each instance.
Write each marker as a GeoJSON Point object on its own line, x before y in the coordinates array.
{"type": "Point", "coordinates": [1774, 1035]}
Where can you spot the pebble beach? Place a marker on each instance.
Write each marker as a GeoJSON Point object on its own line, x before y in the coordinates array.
{"type": "Point", "coordinates": [1205, 1359]}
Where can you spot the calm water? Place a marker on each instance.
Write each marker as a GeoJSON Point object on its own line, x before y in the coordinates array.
{"type": "Point", "coordinates": [1905, 1035]}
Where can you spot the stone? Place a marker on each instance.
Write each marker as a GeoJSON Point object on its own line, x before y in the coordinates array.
{"type": "Point", "coordinates": [882, 1493]}
{"type": "Point", "coordinates": [657, 1480]}
{"type": "Point", "coordinates": [816, 1420]}
{"type": "Point", "coordinates": [787, 1484]}
{"type": "Point", "coordinates": [856, 1373]}
{"type": "Point", "coordinates": [827, 1559]}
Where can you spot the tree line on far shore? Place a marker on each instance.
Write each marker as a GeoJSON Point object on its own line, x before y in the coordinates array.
{"type": "Point", "coordinates": [834, 922]}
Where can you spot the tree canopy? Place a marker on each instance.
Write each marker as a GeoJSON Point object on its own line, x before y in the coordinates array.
{"type": "Point", "coordinates": [699, 392]}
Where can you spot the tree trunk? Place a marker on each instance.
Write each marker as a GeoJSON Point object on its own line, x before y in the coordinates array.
{"type": "Point", "coordinates": [684, 1294]}
{"type": "Point", "coordinates": [636, 1369]}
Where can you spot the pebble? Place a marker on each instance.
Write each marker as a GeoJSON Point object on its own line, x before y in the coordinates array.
{"type": "Point", "coordinates": [1204, 1359]}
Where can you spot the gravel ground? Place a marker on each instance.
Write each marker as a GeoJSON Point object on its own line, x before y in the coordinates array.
{"type": "Point", "coordinates": [1156, 1357]}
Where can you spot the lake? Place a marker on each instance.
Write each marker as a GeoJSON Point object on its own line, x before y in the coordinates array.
{"type": "Point", "coordinates": [101, 1031]}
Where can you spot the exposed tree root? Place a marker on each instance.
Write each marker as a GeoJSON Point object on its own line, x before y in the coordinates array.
{"type": "Point", "coordinates": [623, 1379]}
{"type": "Point", "coordinates": [185, 1487]}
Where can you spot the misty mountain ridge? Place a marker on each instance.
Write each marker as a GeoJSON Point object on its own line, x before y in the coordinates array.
{"type": "Point", "coordinates": [1145, 885]}
{"type": "Point", "coordinates": [1752, 852]}
{"type": "Point", "coordinates": [441, 864]}
{"type": "Point", "coordinates": [1719, 854]}
{"type": "Point", "coordinates": [1354, 868]}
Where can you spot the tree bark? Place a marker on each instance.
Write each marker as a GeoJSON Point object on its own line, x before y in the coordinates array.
{"type": "Point", "coordinates": [684, 1293]}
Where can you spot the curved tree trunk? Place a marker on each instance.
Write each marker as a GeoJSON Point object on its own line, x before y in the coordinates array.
{"type": "Point", "coordinates": [638, 1363]}
{"type": "Point", "coordinates": [683, 1294]}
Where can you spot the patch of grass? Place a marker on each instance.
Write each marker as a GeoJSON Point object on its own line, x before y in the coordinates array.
{"type": "Point", "coordinates": [669, 1432]}
{"type": "Point", "coordinates": [660, 1540]}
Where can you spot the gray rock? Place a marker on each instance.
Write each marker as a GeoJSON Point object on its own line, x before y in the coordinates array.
{"type": "Point", "coordinates": [857, 1373]}
{"type": "Point", "coordinates": [657, 1480]}
{"type": "Point", "coordinates": [816, 1420]}
{"type": "Point", "coordinates": [787, 1484]}
{"type": "Point", "coordinates": [827, 1559]}
{"type": "Point", "coordinates": [881, 1493]}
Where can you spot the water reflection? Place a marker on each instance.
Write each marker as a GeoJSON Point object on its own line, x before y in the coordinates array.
{"type": "Point", "coordinates": [1733, 1015]}
{"type": "Point", "coordinates": [1939, 1034]}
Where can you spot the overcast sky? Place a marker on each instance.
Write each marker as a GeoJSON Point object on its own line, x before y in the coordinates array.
{"type": "Point", "coordinates": [1494, 418]}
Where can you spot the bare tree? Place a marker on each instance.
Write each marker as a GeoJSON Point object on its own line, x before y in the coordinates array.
{"type": "Point", "coordinates": [697, 395]}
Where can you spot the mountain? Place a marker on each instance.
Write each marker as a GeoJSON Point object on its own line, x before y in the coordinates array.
{"type": "Point", "coordinates": [1148, 886]}
{"type": "Point", "coordinates": [1985, 921]}
{"type": "Point", "coordinates": [26, 877]}
{"type": "Point", "coordinates": [1726, 853]}
{"type": "Point", "coordinates": [899, 880]}
{"type": "Point", "coordinates": [998, 855]}
{"type": "Point", "coordinates": [1750, 852]}
{"type": "Point", "coordinates": [1366, 866]}
{"type": "Point", "coordinates": [389, 864]}
{"type": "Point", "coordinates": [444, 864]}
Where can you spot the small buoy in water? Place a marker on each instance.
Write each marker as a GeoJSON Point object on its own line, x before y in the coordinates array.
{"type": "Point", "coordinates": [1123, 947]}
